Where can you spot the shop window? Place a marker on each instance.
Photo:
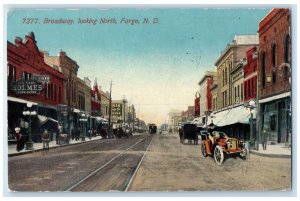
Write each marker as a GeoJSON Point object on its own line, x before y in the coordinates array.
{"type": "Point", "coordinates": [273, 122]}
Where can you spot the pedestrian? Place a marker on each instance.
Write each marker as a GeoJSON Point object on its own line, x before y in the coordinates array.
{"type": "Point", "coordinates": [20, 139]}
{"type": "Point", "coordinates": [58, 132]}
{"type": "Point", "coordinates": [265, 135]}
{"type": "Point", "coordinates": [45, 139]}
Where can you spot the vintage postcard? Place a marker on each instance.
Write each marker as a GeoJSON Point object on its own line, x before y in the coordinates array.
{"type": "Point", "coordinates": [188, 99]}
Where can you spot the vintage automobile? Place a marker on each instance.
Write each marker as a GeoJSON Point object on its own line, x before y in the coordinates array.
{"type": "Point", "coordinates": [188, 131]}
{"type": "Point", "coordinates": [218, 145]}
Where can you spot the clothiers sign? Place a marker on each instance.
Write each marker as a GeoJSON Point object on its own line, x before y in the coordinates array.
{"type": "Point", "coordinates": [34, 85]}
{"type": "Point", "coordinates": [116, 109]}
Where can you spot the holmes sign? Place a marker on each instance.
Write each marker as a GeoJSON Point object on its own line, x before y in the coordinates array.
{"type": "Point", "coordinates": [31, 86]}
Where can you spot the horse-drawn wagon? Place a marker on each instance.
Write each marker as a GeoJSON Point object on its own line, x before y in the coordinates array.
{"type": "Point", "coordinates": [188, 131]}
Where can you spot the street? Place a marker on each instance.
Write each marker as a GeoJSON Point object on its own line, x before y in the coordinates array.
{"type": "Point", "coordinates": [109, 164]}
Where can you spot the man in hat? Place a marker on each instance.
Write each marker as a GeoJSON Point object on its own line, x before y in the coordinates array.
{"type": "Point", "coordinates": [20, 139]}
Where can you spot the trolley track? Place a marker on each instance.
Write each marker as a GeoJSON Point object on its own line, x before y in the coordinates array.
{"type": "Point", "coordinates": [117, 173]}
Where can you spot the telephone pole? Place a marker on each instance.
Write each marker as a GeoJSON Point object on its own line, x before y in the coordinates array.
{"type": "Point", "coordinates": [109, 113]}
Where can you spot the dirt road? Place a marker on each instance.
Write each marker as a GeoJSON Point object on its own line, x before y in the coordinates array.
{"type": "Point", "coordinates": [171, 166]}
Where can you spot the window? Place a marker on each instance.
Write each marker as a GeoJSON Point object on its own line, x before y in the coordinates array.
{"type": "Point", "coordinates": [223, 77]}
{"type": "Point", "coordinates": [11, 73]}
{"type": "Point", "coordinates": [286, 49]}
{"type": "Point", "coordinates": [242, 91]}
{"type": "Point", "coordinates": [263, 69]}
{"type": "Point", "coordinates": [274, 63]}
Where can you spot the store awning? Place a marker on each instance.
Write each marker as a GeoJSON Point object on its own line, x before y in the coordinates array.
{"type": "Point", "coordinates": [197, 121]}
{"type": "Point", "coordinates": [231, 116]}
{"type": "Point", "coordinates": [284, 95]}
{"type": "Point", "coordinates": [13, 99]}
{"type": "Point", "coordinates": [43, 119]}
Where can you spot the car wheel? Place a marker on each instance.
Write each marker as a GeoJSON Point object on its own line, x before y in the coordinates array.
{"type": "Point", "coordinates": [218, 155]}
{"type": "Point", "coordinates": [244, 153]}
{"type": "Point", "coordinates": [203, 149]}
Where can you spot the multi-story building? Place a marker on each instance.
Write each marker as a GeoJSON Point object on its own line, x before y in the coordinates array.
{"type": "Point", "coordinates": [105, 104]}
{"type": "Point", "coordinates": [88, 98]}
{"type": "Point", "coordinates": [174, 120]}
{"type": "Point", "coordinates": [274, 74]}
{"type": "Point", "coordinates": [188, 115]}
{"type": "Point", "coordinates": [95, 100]}
{"type": "Point", "coordinates": [250, 75]}
{"type": "Point", "coordinates": [31, 80]}
{"type": "Point", "coordinates": [69, 68]}
{"type": "Point", "coordinates": [205, 84]}
{"type": "Point", "coordinates": [119, 110]}
{"type": "Point", "coordinates": [227, 63]}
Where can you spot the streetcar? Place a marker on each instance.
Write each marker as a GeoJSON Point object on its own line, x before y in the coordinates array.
{"type": "Point", "coordinates": [152, 128]}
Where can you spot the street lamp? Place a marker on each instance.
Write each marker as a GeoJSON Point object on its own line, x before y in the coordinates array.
{"type": "Point", "coordinates": [83, 120]}
{"type": "Point", "coordinates": [29, 113]}
{"type": "Point", "coordinates": [251, 108]}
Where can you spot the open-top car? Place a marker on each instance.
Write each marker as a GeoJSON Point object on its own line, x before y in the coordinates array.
{"type": "Point", "coordinates": [218, 145]}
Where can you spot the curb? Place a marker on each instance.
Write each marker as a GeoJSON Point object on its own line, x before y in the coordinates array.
{"type": "Point", "coordinates": [270, 155]}
{"type": "Point", "coordinates": [53, 147]}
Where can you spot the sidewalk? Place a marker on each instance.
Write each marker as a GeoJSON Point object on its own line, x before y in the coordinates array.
{"type": "Point", "coordinates": [39, 146]}
{"type": "Point", "coordinates": [276, 151]}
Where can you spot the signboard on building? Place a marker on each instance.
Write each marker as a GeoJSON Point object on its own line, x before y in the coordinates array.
{"type": "Point", "coordinates": [116, 109]}
{"type": "Point", "coordinates": [33, 85]}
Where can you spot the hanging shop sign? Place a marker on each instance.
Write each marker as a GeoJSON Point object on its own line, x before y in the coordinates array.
{"type": "Point", "coordinates": [34, 85]}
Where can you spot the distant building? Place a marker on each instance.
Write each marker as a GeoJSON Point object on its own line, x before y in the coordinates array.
{"type": "Point", "coordinates": [104, 104]}
{"type": "Point", "coordinates": [174, 120]}
{"type": "Point", "coordinates": [188, 115]}
{"type": "Point", "coordinates": [205, 84]}
{"type": "Point", "coordinates": [274, 74]}
{"type": "Point", "coordinates": [95, 100]}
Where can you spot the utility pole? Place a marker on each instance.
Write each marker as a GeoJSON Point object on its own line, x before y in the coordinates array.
{"type": "Point", "coordinates": [109, 113]}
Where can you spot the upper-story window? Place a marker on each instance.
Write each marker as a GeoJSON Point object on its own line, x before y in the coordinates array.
{"type": "Point", "coordinates": [263, 69]}
{"type": "Point", "coordinates": [11, 74]}
{"type": "Point", "coordinates": [274, 48]}
{"type": "Point", "coordinates": [286, 49]}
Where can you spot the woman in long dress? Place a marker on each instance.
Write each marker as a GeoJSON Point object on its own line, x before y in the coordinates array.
{"type": "Point", "coordinates": [20, 139]}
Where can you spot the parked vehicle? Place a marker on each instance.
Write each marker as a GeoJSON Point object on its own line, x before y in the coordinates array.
{"type": "Point", "coordinates": [219, 145]}
{"type": "Point", "coordinates": [188, 131]}
{"type": "Point", "coordinates": [121, 132]}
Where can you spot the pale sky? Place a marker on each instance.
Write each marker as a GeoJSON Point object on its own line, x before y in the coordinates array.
{"type": "Point", "coordinates": [157, 67]}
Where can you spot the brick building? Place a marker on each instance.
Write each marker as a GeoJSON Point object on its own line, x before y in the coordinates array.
{"type": "Point", "coordinates": [250, 75]}
{"type": "Point", "coordinates": [24, 63]}
{"type": "Point", "coordinates": [69, 68]}
{"type": "Point", "coordinates": [274, 73]}
{"type": "Point", "coordinates": [205, 85]}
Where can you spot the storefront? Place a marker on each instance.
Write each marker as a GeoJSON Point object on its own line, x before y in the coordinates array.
{"type": "Point", "coordinates": [276, 117]}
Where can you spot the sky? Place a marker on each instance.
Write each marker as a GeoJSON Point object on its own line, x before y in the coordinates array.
{"type": "Point", "coordinates": [156, 66]}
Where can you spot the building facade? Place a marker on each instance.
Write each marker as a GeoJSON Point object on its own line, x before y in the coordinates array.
{"type": "Point", "coordinates": [227, 62]}
{"type": "Point", "coordinates": [69, 68]}
{"type": "Point", "coordinates": [250, 75]}
{"type": "Point", "coordinates": [274, 75]}
{"type": "Point", "coordinates": [205, 85]}
{"type": "Point", "coordinates": [105, 104]}
{"type": "Point", "coordinates": [25, 69]}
